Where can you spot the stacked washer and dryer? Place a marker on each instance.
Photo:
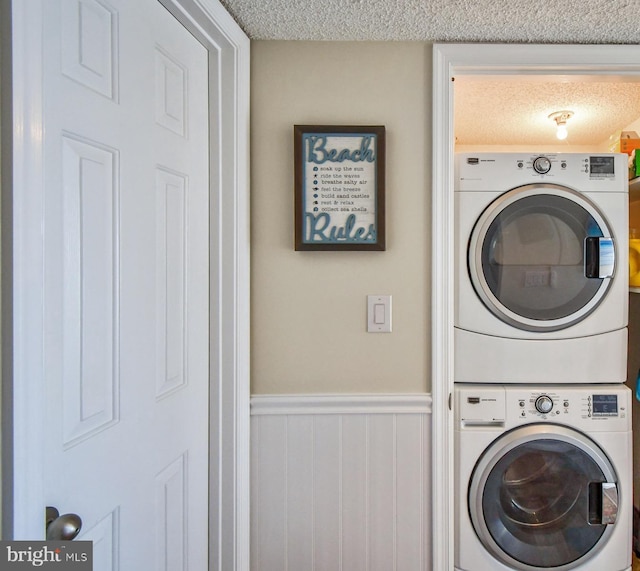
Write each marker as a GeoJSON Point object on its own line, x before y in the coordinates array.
{"type": "Point", "coordinates": [543, 418]}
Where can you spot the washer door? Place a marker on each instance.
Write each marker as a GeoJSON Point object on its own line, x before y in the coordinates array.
{"type": "Point", "coordinates": [543, 497]}
{"type": "Point", "coordinates": [541, 257]}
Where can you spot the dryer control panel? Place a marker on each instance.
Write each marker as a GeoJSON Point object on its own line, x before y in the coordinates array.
{"type": "Point", "coordinates": [580, 171]}
{"type": "Point", "coordinates": [595, 407]}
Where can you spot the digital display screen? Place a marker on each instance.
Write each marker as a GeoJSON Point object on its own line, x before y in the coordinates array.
{"type": "Point", "coordinates": [605, 405]}
{"type": "Point", "coordinates": [601, 165]}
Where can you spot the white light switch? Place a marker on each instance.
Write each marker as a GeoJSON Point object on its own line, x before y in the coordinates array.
{"type": "Point", "coordinates": [379, 313]}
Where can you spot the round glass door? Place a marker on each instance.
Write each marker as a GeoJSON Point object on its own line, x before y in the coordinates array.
{"type": "Point", "coordinates": [536, 498]}
{"type": "Point", "coordinates": [541, 257]}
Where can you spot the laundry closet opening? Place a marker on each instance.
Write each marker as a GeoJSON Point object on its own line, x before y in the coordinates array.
{"type": "Point", "coordinates": [501, 99]}
{"type": "Point", "coordinates": [511, 114]}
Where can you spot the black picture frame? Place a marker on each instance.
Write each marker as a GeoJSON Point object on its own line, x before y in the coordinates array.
{"type": "Point", "coordinates": [339, 187]}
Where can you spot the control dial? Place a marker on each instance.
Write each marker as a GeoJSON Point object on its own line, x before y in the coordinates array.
{"type": "Point", "coordinates": [542, 165]}
{"type": "Point", "coordinates": [544, 404]}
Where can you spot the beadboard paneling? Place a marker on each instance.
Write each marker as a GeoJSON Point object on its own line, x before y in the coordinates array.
{"type": "Point", "coordinates": [341, 483]}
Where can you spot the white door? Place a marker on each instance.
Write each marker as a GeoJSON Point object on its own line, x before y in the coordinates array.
{"type": "Point", "coordinates": [126, 316]}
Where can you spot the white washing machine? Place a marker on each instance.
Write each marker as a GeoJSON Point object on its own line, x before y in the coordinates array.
{"type": "Point", "coordinates": [541, 268]}
{"type": "Point", "coordinates": [543, 478]}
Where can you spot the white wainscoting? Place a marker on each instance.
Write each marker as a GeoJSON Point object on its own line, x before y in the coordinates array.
{"type": "Point", "coordinates": [341, 483]}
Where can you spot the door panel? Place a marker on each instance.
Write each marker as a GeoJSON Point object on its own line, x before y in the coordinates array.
{"type": "Point", "coordinates": [126, 272]}
{"type": "Point", "coordinates": [89, 261]}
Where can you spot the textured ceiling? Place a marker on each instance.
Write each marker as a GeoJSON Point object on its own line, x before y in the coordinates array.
{"type": "Point", "coordinates": [537, 21]}
{"type": "Point", "coordinates": [515, 110]}
{"type": "Point", "coordinates": [509, 110]}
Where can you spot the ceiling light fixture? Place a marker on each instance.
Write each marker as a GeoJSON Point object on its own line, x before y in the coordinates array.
{"type": "Point", "coordinates": [561, 118]}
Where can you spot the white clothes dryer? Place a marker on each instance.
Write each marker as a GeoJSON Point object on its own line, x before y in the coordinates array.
{"type": "Point", "coordinates": [541, 267]}
{"type": "Point", "coordinates": [543, 478]}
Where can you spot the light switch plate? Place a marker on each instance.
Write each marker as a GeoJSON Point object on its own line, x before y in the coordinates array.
{"type": "Point", "coordinates": [379, 313]}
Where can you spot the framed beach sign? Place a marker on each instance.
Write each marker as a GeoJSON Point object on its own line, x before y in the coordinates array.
{"type": "Point", "coordinates": [339, 187]}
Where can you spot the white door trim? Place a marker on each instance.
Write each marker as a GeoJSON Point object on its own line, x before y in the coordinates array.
{"type": "Point", "coordinates": [22, 270]}
{"type": "Point", "coordinates": [229, 531]}
{"type": "Point", "coordinates": [450, 60]}
{"type": "Point", "coordinates": [22, 260]}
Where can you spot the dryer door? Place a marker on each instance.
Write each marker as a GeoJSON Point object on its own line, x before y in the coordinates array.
{"type": "Point", "coordinates": [541, 257]}
{"type": "Point", "coordinates": [543, 497]}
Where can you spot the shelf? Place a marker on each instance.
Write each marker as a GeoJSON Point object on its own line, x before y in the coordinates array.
{"type": "Point", "coordinates": [634, 289]}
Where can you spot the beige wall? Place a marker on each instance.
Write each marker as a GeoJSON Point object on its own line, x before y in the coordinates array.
{"type": "Point", "coordinates": [309, 308]}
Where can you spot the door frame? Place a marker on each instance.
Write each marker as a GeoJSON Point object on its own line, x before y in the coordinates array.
{"type": "Point", "coordinates": [22, 270]}
{"type": "Point", "coordinates": [450, 60]}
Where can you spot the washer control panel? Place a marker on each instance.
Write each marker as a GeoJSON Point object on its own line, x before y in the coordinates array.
{"type": "Point", "coordinates": [548, 404]}
{"type": "Point", "coordinates": [599, 407]}
{"type": "Point", "coordinates": [543, 404]}
{"type": "Point", "coordinates": [584, 406]}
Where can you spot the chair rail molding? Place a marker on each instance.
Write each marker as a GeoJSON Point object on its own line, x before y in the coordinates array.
{"type": "Point", "coordinates": [340, 404]}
